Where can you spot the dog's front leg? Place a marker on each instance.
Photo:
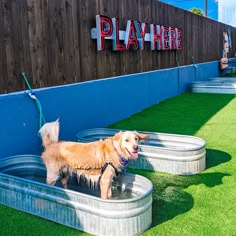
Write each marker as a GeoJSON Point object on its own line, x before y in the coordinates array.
{"type": "Point", "coordinates": [106, 182]}
{"type": "Point", "coordinates": [105, 188]}
{"type": "Point", "coordinates": [52, 174]}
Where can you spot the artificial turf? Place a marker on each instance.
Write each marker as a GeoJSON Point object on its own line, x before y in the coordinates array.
{"type": "Point", "coordinates": [201, 204]}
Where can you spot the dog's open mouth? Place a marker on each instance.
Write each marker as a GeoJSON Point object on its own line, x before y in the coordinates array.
{"type": "Point", "coordinates": [133, 155]}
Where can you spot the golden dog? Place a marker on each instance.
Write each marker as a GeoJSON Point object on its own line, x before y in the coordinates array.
{"type": "Point", "coordinates": [99, 161]}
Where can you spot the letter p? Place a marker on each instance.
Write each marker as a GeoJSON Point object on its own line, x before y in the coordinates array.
{"type": "Point", "coordinates": [104, 30]}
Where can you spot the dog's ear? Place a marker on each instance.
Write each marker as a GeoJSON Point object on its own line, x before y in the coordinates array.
{"type": "Point", "coordinates": [141, 135]}
{"type": "Point", "coordinates": [117, 136]}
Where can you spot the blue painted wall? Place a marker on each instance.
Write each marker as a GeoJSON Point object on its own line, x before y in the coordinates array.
{"type": "Point", "coordinates": [90, 104]}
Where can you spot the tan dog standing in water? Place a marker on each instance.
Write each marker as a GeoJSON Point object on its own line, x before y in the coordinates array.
{"type": "Point", "coordinates": [98, 161]}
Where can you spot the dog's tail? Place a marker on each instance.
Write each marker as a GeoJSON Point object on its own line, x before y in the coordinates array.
{"type": "Point", "coordinates": [50, 133]}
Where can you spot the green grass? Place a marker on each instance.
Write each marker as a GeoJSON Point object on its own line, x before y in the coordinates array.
{"type": "Point", "coordinates": [202, 204]}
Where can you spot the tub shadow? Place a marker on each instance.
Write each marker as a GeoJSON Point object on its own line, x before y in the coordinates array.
{"type": "Point", "coordinates": [216, 157]}
{"type": "Point", "coordinates": [169, 197]}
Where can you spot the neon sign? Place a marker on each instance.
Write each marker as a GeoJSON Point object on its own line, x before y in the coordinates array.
{"type": "Point", "coordinates": [160, 37]}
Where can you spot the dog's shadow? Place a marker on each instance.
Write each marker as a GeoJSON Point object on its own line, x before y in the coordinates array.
{"type": "Point", "coordinates": [169, 196]}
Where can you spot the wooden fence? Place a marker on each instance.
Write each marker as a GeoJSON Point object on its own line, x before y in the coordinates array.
{"type": "Point", "coordinates": [50, 41]}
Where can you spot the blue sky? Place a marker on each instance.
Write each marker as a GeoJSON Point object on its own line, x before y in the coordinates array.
{"type": "Point", "coordinates": [189, 4]}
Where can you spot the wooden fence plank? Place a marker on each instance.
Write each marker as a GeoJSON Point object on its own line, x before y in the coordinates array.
{"type": "Point", "coordinates": [10, 53]}
{"type": "Point", "coordinates": [144, 16]}
{"type": "Point", "coordinates": [3, 62]}
{"type": "Point", "coordinates": [27, 63]}
{"type": "Point", "coordinates": [87, 12]}
{"type": "Point", "coordinates": [32, 41]}
{"type": "Point", "coordinates": [75, 35]}
{"type": "Point", "coordinates": [16, 44]}
{"type": "Point", "coordinates": [105, 60]}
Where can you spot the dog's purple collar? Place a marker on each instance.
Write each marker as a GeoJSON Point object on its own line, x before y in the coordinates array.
{"type": "Point", "coordinates": [124, 163]}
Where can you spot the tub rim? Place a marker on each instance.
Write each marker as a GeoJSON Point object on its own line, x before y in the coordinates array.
{"type": "Point", "coordinates": [148, 183]}
{"type": "Point", "coordinates": [200, 142]}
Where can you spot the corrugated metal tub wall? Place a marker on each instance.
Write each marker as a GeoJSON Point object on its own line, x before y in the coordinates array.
{"type": "Point", "coordinates": [22, 187]}
{"type": "Point", "coordinates": [224, 85]}
{"type": "Point", "coordinates": [171, 153]}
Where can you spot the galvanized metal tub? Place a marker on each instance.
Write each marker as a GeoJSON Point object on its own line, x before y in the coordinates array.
{"type": "Point", "coordinates": [224, 79]}
{"type": "Point", "coordinates": [171, 153]}
{"type": "Point", "coordinates": [22, 187]}
{"type": "Point", "coordinates": [224, 86]}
